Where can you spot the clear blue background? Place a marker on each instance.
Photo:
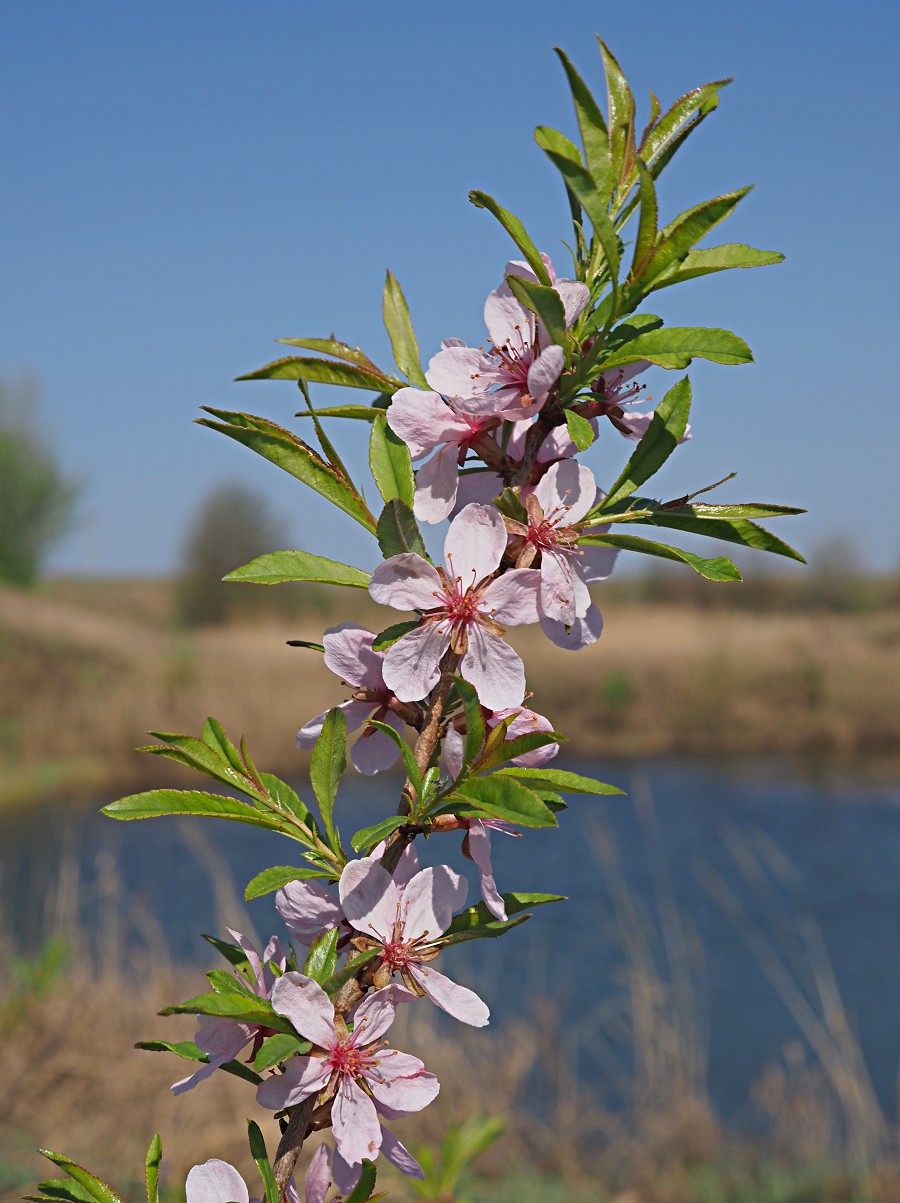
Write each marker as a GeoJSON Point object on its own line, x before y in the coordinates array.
{"type": "Point", "coordinates": [182, 184]}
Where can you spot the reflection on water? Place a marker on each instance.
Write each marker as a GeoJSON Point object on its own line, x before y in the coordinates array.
{"type": "Point", "coordinates": [721, 896]}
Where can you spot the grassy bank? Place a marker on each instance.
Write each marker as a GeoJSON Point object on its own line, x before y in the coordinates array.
{"type": "Point", "coordinates": [89, 668]}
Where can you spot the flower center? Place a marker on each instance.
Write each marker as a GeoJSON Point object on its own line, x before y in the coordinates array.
{"type": "Point", "coordinates": [345, 1059]}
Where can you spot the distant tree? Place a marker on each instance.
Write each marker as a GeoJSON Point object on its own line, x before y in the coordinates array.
{"type": "Point", "coordinates": [232, 526]}
{"type": "Point", "coordinates": [37, 499]}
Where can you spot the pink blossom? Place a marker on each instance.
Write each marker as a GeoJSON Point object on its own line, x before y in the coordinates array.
{"type": "Point", "coordinates": [427, 423]}
{"type": "Point", "coordinates": [223, 1039]}
{"type": "Point", "coordinates": [513, 377]}
{"type": "Point", "coordinates": [477, 847]}
{"type": "Point", "coordinates": [405, 924]}
{"type": "Point", "coordinates": [349, 655]}
{"type": "Point", "coordinates": [346, 1176]}
{"type": "Point", "coordinates": [309, 908]}
{"type": "Point", "coordinates": [463, 607]}
{"type": "Point", "coordinates": [216, 1181]}
{"type": "Point", "coordinates": [524, 722]}
{"type": "Point", "coordinates": [356, 1069]}
{"type": "Point", "coordinates": [617, 393]}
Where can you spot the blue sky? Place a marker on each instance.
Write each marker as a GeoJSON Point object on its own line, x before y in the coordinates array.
{"type": "Point", "coordinates": [185, 183]}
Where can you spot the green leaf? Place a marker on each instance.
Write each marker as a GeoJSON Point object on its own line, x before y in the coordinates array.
{"type": "Point", "coordinates": [390, 635]}
{"type": "Point", "coordinates": [151, 1165]}
{"type": "Point", "coordinates": [409, 760]}
{"type": "Point", "coordinates": [571, 783]}
{"type": "Point", "coordinates": [308, 644]}
{"type": "Point", "coordinates": [621, 119]}
{"type": "Point", "coordinates": [519, 746]}
{"type": "Point", "coordinates": [676, 346]}
{"type": "Point", "coordinates": [277, 1048]}
{"type": "Point", "coordinates": [334, 983]}
{"type": "Point", "coordinates": [261, 1157]}
{"type": "Point", "coordinates": [239, 1007]}
{"type": "Point", "coordinates": [360, 413]}
{"type": "Point", "coordinates": [397, 322]}
{"type": "Point", "coordinates": [677, 239]}
{"type": "Point", "coordinates": [186, 1049]}
{"type": "Point", "coordinates": [285, 798]}
{"type": "Point", "coordinates": [231, 952]}
{"type": "Point", "coordinates": [280, 566]}
{"type": "Point", "coordinates": [581, 432]}
{"type": "Point", "coordinates": [662, 436]}
{"type": "Point", "coordinates": [223, 982]}
{"type": "Point", "coordinates": [477, 922]}
{"type": "Point", "coordinates": [276, 877]}
{"type": "Point", "coordinates": [329, 760]}
{"type": "Point", "coordinates": [390, 462]}
{"type": "Point", "coordinates": [95, 1187]}
{"type": "Point", "coordinates": [322, 371]}
{"type": "Point", "coordinates": [702, 262]}
{"type": "Point", "coordinates": [516, 231]}
{"type": "Point", "coordinates": [60, 1188]}
{"type": "Point", "coordinates": [398, 532]}
{"type": "Point", "coordinates": [363, 1189]}
{"type": "Point", "coordinates": [579, 181]}
{"type": "Point", "coordinates": [367, 837]}
{"type": "Point", "coordinates": [740, 531]}
{"type": "Point", "coordinates": [503, 798]}
{"type": "Point", "coordinates": [594, 135]}
{"type": "Point", "coordinates": [295, 457]}
{"type": "Point", "coordinates": [645, 242]}
{"type": "Point", "coordinates": [703, 98]}
{"type": "Point", "coordinates": [214, 735]}
{"type": "Point", "coordinates": [718, 569]}
{"type": "Point", "coordinates": [475, 728]}
{"type": "Point", "coordinates": [198, 754]}
{"type": "Point", "coordinates": [321, 962]}
{"type": "Point", "coordinates": [338, 350]}
{"type": "Point", "coordinates": [545, 302]}
{"type": "Point", "coordinates": [158, 802]}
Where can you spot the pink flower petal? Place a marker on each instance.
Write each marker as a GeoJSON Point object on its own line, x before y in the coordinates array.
{"type": "Point", "coordinates": [574, 296]}
{"type": "Point", "coordinates": [307, 1006]}
{"type": "Point", "coordinates": [429, 902]}
{"type": "Point", "coordinates": [251, 954]}
{"type": "Point", "coordinates": [412, 664]}
{"type": "Point", "coordinates": [462, 1004]}
{"type": "Point", "coordinates": [526, 722]}
{"type": "Point", "coordinates": [357, 1132]}
{"type": "Point", "coordinates": [513, 597]}
{"type": "Point", "coordinates": [369, 897]}
{"type": "Point", "coordinates": [303, 1078]}
{"type": "Point", "coordinates": [557, 587]}
{"type": "Point", "coordinates": [436, 483]}
{"type": "Point", "coordinates": [583, 631]}
{"type": "Point", "coordinates": [505, 318]}
{"type": "Point", "coordinates": [545, 371]}
{"type": "Point", "coordinates": [475, 543]}
{"type": "Point", "coordinates": [375, 751]}
{"type": "Point", "coordinates": [597, 563]}
{"type": "Point", "coordinates": [215, 1181]}
{"type": "Point", "coordinates": [454, 752]}
{"type": "Point", "coordinates": [423, 421]}
{"type": "Point", "coordinates": [349, 655]}
{"type": "Point", "coordinates": [477, 846]}
{"type": "Point", "coordinates": [495, 670]}
{"type": "Point", "coordinates": [401, 1086]}
{"type": "Point", "coordinates": [458, 371]}
{"type": "Point", "coordinates": [398, 1155]}
{"type": "Point", "coordinates": [482, 487]}
{"type": "Point", "coordinates": [318, 1176]}
{"type": "Point", "coordinates": [355, 713]}
{"type": "Point", "coordinates": [375, 1014]}
{"type": "Point", "coordinates": [308, 909]}
{"type": "Point", "coordinates": [406, 582]}
{"type": "Point", "coordinates": [569, 486]}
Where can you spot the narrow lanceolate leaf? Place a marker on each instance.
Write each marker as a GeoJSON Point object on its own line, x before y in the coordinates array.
{"type": "Point", "coordinates": [581, 432]}
{"type": "Point", "coordinates": [285, 798]}
{"type": "Point", "coordinates": [291, 454]}
{"type": "Point", "coordinates": [361, 413]}
{"type": "Point", "coordinates": [621, 120]}
{"type": "Point", "coordinates": [152, 1162]}
{"type": "Point", "coordinates": [99, 1190]}
{"type": "Point", "coordinates": [280, 566]}
{"type": "Point", "coordinates": [592, 126]}
{"type": "Point", "coordinates": [702, 100]}
{"type": "Point", "coordinates": [329, 760]}
{"type": "Point", "coordinates": [157, 802]}
{"type": "Point", "coordinates": [738, 530]}
{"type": "Point", "coordinates": [279, 875]}
{"type": "Point", "coordinates": [681, 235]}
{"type": "Point", "coordinates": [239, 1007]}
{"type": "Point", "coordinates": [409, 760]}
{"type": "Point", "coordinates": [503, 798]}
{"type": "Point", "coordinates": [583, 187]}
{"type": "Point", "coordinates": [703, 261]}
{"type": "Point", "coordinates": [397, 322]}
{"type": "Point", "coordinates": [516, 231]}
{"type": "Point", "coordinates": [57, 1189]}
{"type": "Point", "coordinates": [390, 462]}
{"type": "Point", "coordinates": [515, 903]}
{"type": "Point", "coordinates": [569, 783]}
{"type": "Point", "coordinates": [645, 242]}
{"type": "Point", "coordinates": [338, 350]}
{"type": "Point", "coordinates": [277, 1048]}
{"type": "Point", "coordinates": [662, 436]}
{"type": "Point", "coordinates": [676, 346]}
{"type": "Point", "coordinates": [389, 636]}
{"type": "Point", "coordinates": [322, 960]}
{"type": "Point", "coordinates": [186, 1049]}
{"type": "Point", "coordinates": [397, 531]}
{"type": "Point", "coordinates": [545, 302]}
{"type": "Point", "coordinates": [718, 569]}
{"type": "Point", "coordinates": [475, 728]}
{"type": "Point", "coordinates": [197, 753]}
{"type": "Point", "coordinates": [214, 736]}
{"type": "Point", "coordinates": [368, 837]}
{"type": "Point", "coordinates": [231, 952]}
{"type": "Point", "coordinates": [324, 371]}
{"type": "Point", "coordinates": [261, 1157]}
{"type": "Point", "coordinates": [363, 1189]}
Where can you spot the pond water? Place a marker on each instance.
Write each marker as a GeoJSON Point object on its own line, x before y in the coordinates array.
{"type": "Point", "coordinates": [734, 887]}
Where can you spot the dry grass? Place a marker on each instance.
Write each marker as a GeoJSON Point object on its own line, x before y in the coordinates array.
{"type": "Point", "coordinates": [88, 669]}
